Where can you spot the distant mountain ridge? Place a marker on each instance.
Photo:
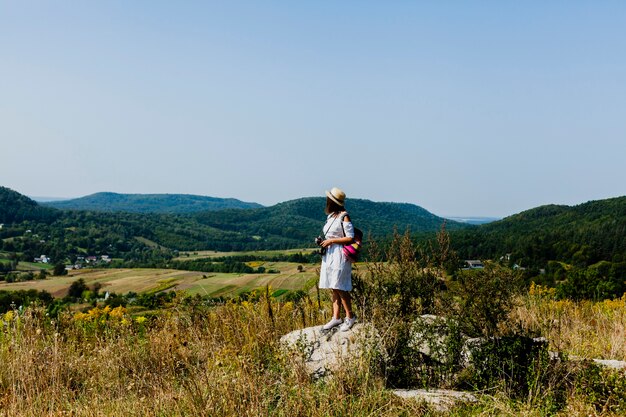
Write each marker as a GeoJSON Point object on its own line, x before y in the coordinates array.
{"type": "Point", "coordinates": [149, 203]}
{"type": "Point", "coordinates": [285, 225]}
{"type": "Point", "coordinates": [302, 219]}
{"type": "Point", "coordinates": [580, 235]}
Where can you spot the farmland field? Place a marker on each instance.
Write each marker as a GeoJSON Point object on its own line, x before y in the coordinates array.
{"type": "Point", "coordinates": [186, 256]}
{"type": "Point", "coordinates": [141, 280]}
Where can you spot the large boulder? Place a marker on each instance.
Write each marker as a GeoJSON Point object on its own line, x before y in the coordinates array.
{"type": "Point", "coordinates": [323, 352]}
{"type": "Point", "coordinates": [435, 337]}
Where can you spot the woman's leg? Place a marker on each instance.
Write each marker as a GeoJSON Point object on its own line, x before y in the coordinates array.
{"type": "Point", "coordinates": [336, 303]}
{"type": "Point", "coordinates": [346, 301]}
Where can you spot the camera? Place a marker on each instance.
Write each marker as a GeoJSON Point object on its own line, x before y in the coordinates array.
{"type": "Point", "coordinates": [318, 242]}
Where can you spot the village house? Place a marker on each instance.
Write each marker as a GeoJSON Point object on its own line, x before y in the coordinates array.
{"type": "Point", "coordinates": [43, 259]}
{"type": "Point", "coordinates": [474, 264]}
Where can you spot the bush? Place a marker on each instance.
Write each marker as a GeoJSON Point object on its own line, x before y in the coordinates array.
{"type": "Point", "coordinates": [483, 299]}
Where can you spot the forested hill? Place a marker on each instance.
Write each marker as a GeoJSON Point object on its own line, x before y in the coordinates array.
{"type": "Point", "coordinates": [149, 203]}
{"type": "Point", "coordinates": [15, 207]}
{"type": "Point", "coordinates": [303, 218]}
{"type": "Point", "coordinates": [582, 235]}
{"type": "Point", "coordinates": [31, 229]}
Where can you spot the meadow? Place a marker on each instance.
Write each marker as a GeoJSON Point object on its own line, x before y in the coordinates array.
{"type": "Point", "coordinates": [140, 280]}
{"type": "Point", "coordinates": [227, 361]}
{"type": "Point", "coordinates": [184, 256]}
{"type": "Point", "coordinates": [194, 357]}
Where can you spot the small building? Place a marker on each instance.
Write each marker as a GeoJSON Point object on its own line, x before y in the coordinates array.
{"type": "Point", "coordinates": [474, 264]}
{"type": "Point", "coordinates": [105, 258]}
{"type": "Point", "coordinates": [91, 259]}
{"type": "Point", "coordinates": [43, 259]}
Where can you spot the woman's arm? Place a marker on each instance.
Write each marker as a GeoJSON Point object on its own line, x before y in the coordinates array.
{"type": "Point", "coordinates": [339, 240]}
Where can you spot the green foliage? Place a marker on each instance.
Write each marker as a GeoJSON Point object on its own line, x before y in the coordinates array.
{"type": "Point", "coordinates": [299, 221]}
{"type": "Point", "coordinates": [15, 208]}
{"type": "Point", "coordinates": [601, 281]}
{"type": "Point", "coordinates": [59, 269]}
{"type": "Point", "coordinates": [581, 235]}
{"type": "Point", "coordinates": [77, 288]}
{"type": "Point", "coordinates": [10, 300]}
{"type": "Point", "coordinates": [484, 299]}
{"type": "Point", "coordinates": [605, 389]}
{"type": "Point", "coordinates": [507, 360]}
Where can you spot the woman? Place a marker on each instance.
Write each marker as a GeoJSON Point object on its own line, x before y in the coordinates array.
{"type": "Point", "coordinates": [336, 270]}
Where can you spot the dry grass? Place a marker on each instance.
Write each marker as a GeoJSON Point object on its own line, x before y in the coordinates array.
{"type": "Point", "coordinates": [188, 361]}
{"type": "Point", "coordinates": [191, 360]}
{"type": "Point", "coordinates": [585, 329]}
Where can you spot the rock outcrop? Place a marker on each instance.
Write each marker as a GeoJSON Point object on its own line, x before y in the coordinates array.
{"type": "Point", "coordinates": [439, 399]}
{"type": "Point", "coordinates": [325, 351]}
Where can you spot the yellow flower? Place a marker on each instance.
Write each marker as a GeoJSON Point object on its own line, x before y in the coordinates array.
{"type": "Point", "coordinates": [140, 319]}
{"type": "Point", "coordinates": [9, 316]}
{"type": "Point", "coordinates": [118, 312]}
{"type": "Point", "coordinates": [82, 317]}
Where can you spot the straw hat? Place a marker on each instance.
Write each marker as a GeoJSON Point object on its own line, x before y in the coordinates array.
{"type": "Point", "coordinates": [336, 195]}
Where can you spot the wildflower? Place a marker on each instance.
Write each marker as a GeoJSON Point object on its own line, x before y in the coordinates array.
{"type": "Point", "coordinates": [9, 316]}
{"type": "Point", "coordinates": [118, 312]}
{"type": "Point", "coordinates": [140, 319]}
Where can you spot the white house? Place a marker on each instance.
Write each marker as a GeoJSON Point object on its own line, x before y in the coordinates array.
{"type": "Point", "coordinates": [474, 264]}
{"type": "Point", "coordinates": [43, 259]}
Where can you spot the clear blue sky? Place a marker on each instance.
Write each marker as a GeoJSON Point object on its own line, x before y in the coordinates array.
{"type": "Point", "coordinates": [465, 108]}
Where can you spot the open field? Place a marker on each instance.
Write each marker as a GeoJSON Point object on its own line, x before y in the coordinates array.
{"type": "Point", "coordinates": [122, 281]}
{"type": "Point", "coordinates": [186, 256]}
{"type": "Point", "coordinates": [31, 266]}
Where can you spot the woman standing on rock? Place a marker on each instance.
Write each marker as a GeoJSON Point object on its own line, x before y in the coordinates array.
{"type": "Point", "coordinates": [336, 270]}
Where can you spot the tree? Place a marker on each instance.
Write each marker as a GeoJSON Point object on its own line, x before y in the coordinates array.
{"type": "Point", "coordinates": [96, 289]}
{"type": "Point", "coordinates": [59, 269]}
{"type": "Point", "coordinates": [77, 288]}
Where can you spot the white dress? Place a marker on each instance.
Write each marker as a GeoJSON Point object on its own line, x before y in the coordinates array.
{"type": "Point", "coordinates": [336, 270]}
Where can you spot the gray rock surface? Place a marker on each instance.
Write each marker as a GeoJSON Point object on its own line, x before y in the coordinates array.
{"type": "Point", "coordinates": [609, 363]}
{"type": "Point", "coordinates": [430, 335]}
{"type": "Point", "coordinates": [324, 351]}
{"type": "Point", "coordinates": [439, 399]}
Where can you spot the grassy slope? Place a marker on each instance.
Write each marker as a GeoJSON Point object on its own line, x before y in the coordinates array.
{"type": "Point", "coordinates": [122, 281]}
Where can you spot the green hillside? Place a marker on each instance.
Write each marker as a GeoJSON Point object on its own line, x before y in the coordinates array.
{"type": "Point", "coordinates": [15, 207]}
{"type": "Point", "coordinates": [140, 238]}
{"type": "Point", "coordinates": [149, 203]}
{"type": "Point", "coordinates": [301, 220]}
{"type": "Point", "coordinates": [581, 235]}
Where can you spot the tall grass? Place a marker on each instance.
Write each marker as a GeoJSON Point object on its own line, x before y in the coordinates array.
{"type": "Point", "coordinates": [586, 329]}
{"type": "Point", "coordinates": [189, 360]}
{"type": "Point", "coordinates": [196, 360]}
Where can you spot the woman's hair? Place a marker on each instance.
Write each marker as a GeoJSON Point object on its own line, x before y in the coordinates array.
{"type": "Point", "coordinates": [332, 207]}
